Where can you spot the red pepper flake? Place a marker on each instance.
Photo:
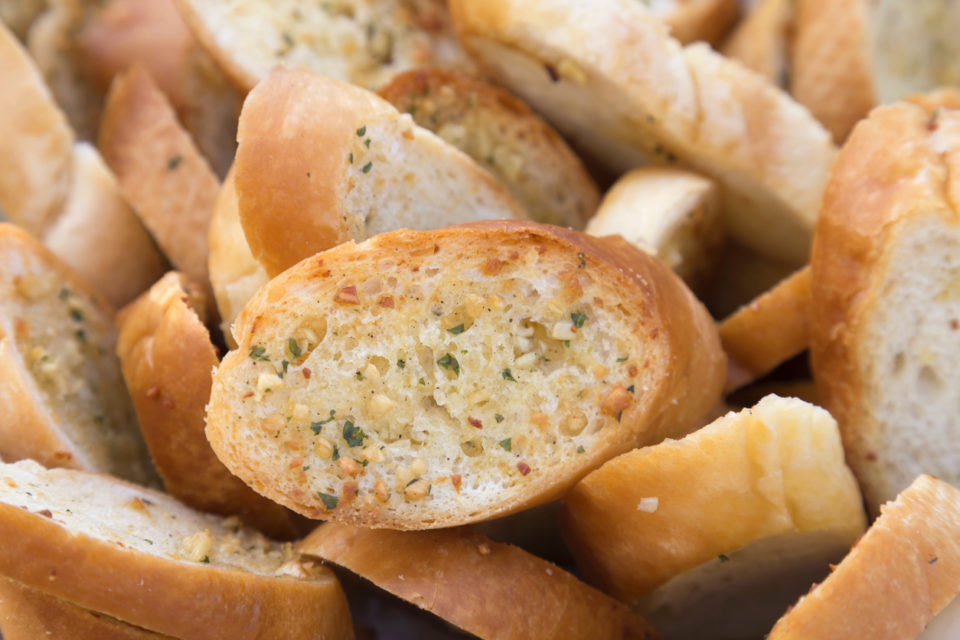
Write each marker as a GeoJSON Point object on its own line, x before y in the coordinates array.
{"type": "Point", "coordinates": [436, 248]}
{"type": "Point", "coordinates": [350, 491]}
{"type": "Point", "coordinates": [541, 250]}
{"type": "Point", "coordinates": [655, 333]}
{"type": "Point", "coordinates": [933, 121]}
{"type": "Point", "coordinates": [248, 394]}
{"type": "Point", "coordinates": [45, 513]}
{"type": "Point", "coordinates": [386, 302]}
{"type": "Point", "coordinates": [347, 295]}
{"type": "Point", "coordinates": [306, 373]}
{"type": "Point", "coordinates": [456, 480]}
{"type": "Point", "coordinates": [514, 255]}
{"type": "Point", "coordinates": [955, 324]}
{"type": "Point", "coordinates": [492, 266]}
{"type": "Point", "coordinates": [871, 457]}
{"type": "Point", "coordinates": [632, 370]}
{"type": "Point", "coordinates": [523, 468]}
{"type": "Point", "coordinates": [476, 423]}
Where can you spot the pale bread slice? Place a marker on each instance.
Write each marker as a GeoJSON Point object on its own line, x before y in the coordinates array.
{"type": "Point", "coordinates": [321, 162]}
{"type": "Point", "coordinates": [62, 396]}
{"type": "Point", "coordinates": [167, 361]}
{"type": "Point", "coordinates": [763, 40]}
{"type": "Point", "coordinates": [670, 213]}
{"type": "Point", "coordinates": [694, 20]}
{"type": "Point", "coordinates": [144, 558]}
{"type": "Point", "coordinates": [28, 614]}
{"type": "Point", "coordinates": [424, 379]}
{"type": "Point", "coordinates": [503, 136]}
{"type": "Point", "coordinates": [363, 42]}
{"type": "Point", "coordinates": [902, 576]}
{"type": "Point", "coordinates": [713, 535]}
{"type": "Point", "coordinates": [610, 78]}
{"type": "Point", "coordinates": [885, 311]}
{"type": "Point", "coordinates": [473, 582]}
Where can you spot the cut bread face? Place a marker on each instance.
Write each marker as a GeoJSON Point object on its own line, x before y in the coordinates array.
{"type": "Point", "coordinates": [363, 42]}
{"type": "Point", "coordinates": [670, 213]}
{"type": "Point", "coordinates": [609, 77]}
{"type": "Point", "coordinates": [321, 162]}
{"type": "Point", "coordinates": [762, 41]}
{"type": "Point", "coordinates": [900, 575]}
{"type": "Point", "coordinates": [885, 312]}
{"type": "Point", "coordinates": [503, 136]}
{"type": "Point", "coordinates": [428, 379]}
{"type": "Point", "coordinates": [732, 521]}
{"type": "Point", "coordinates": [144, 558]}
{"type": "Point", "coordinates": [167, 359]}
{"type": "Point", "coordinates": [63, 398]}
{"type": "Point", "coordinates": [444, 572]}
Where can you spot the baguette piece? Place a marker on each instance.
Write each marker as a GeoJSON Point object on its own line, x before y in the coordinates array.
{"type": "Point", "coordinates": [167, 360]}
{"type": "Point", "coordinates": [473, 583]}
{"type": "Point", "coordinates": [142, 557]}
{"type": "Point", "coordinates": [610, 78]}
{"type": "Point", "coordinates": [693, 20]}
{"type": "Point", "coordinates": [903, 572]}
{"type": "Point", "coordinates": [733, 522]}
{"type": "Point", "coordinates": [670, 213]}
{"type": "Point", "coordinates": [503, 136]}
{"type": "Point", "coordinates": [885, 312]}
{"type": "Point", "coordinates": [762, 41]}
{"type": "Point", "coordinates": [61, 392]}
{"type": "Point", "coordinates": [441, 359]}
{"type": "Point", "coordinates": [360, 42]}
{"type": "Point", "coordinates": [321, 162]}
{"type": "Point", "coordinates": [28, 614]}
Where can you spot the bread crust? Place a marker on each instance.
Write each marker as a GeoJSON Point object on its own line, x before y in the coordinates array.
{"type": "Point", "coordinates": [763, 41]}
{"type": "Point", "coordinates": [476, 584]}
{"type": "Point", "coordinates": [903, 571]}
{"type": "Point", "coordinates": [167, 360]}
{"type": "Point", "coordinates": [680, 337]}
{"type": "Point", "coordinates": [707, 20]}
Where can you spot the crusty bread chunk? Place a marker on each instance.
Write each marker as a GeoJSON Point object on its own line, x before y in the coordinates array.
{"type": "Point", "coordinates": [167, 359]}
{"type": "Point", "coordinates": [62, 396]}
{"type": "Point", "coordinates": [669, 213]}
{"type": "Point", "coordinates": [28, 614]}
{"type": "Point", "coordinates": [473, 583]}
{"type": "Point", "coordinates": [693, 20]}
{"type": "Point", "coordinates": [144, 558]}
{"type": "Point", "coordinates": [363, 42]}
{"type": "Point", "coordinates": [503, 136]}
{"type": "Point", "coordinates": [902, 576]}
{"type": "Point", "coordinates": [886, 312]}
{"type": "Point", "coordinates": [321, 162]}
{"type": "Point", "coordinates": [609, 77]}
{"type": "Point", "coordinates": [713, 535]}
{"type": "Point", "coordinates": [762, 41]}
{"type": "Point", "coordinates": [427, 379]}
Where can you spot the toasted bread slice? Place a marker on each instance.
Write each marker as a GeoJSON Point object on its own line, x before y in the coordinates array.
{"type": "Point", "coordinates": [763, 41]}
{"type": "Point", "coordinates": [667, 212]}
{"type": "Point", "coordinates": [707, 20]}
{"type": "Point", "coordinates": [167, 360]}
{"type": "Point", "coordinates": [144, 558]}
{"type": "Point", "coordinates": [895, 580]}
{"type": "Point", "coordinates": [61, 392]}
{"type": "Point", "coordinates": [436, 378]}
{"type": "Point", "coordinates": [885, 314]}
{"type": "Point", "coordinates": [732, 522]}
{"type": "Point", "coordinates": [28, 614]}
{"type": "Point", "coordinates": [472, 583]}
{"type": "Point", "coordinates": [610, 78]}
{"type": "Point", "coordinates": [321, 162]}
{"type": "Point", "coordinates": [768, 331]}
{"type": "Point", "coordinates": [160, 171]}
{"type": "Point", "coordinates": [503, 136]}
{"type": "Point", "coordinates": [361, 42]}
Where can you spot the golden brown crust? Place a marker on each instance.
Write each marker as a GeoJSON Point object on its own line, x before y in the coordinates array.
{"type": "Point", "coordinates": [494, 591]}
{"type": "Point", "coordinates": [167, 361]}
{"type": "Point", "coordinates": [903, 571]}
{"type": "Point", "coordinates": [707, 20]}
{"type": "Point", "coordinates": [28, 614]}
{"type": "Point", "coordinates": [187, 600]}
{"type": "Point", "coordinates": [831, 73]}
{"type": "Point", "coordinates": [159, 170]}
{"type": "Point", "coordinates": [768, 331]}
{"type": "Point", "coordinates": [762, 41]}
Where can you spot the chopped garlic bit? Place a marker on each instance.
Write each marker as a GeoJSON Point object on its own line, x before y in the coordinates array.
{"type": "Point", "coordinates": [648, 505]}
{"type": "Point", "coordinates": [372, 374]}
{"type": "Point", "coordinates": [380, 404]}
{"type": "Point", "coordinates": [292, 569]}
{"type": "Point", "coordinates": [267, 382]}
{"type": "Point", "coordinates": [563, 331]}
{"type": "Point", "coordinates": [417, 489]}
{"type": "Point", "coordinates": [526, 361]}
{"type": "Point", "coordinates": [197, 547]}
{"type": "Point", "coordinates": [323, 448]}
{"type": "Point", "coordinates": [300, 412]}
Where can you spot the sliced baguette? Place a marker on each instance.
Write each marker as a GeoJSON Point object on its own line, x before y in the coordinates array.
{"type": "Point", "coordinates": [669, 213]}
{"type": "Point", "coordinates": [886, 313]}
{"type": "Point", "coordinates": [440, 359]}
{"type": "Point", "coordinates": [690, 21]}
{"type": "Point", "coordinates": [321, 162]}
{"type": "Point", "coordinates": [62, 396]}
{"type": "Point", "coordinates": [360, 42]}
{"type": "Point", "coordinates": [733, 522]}
{"type": "Point", "coordinates": [608, 76]}
{"type": "Point", "coordinates": [503, 136]}
{"type": "Point", "coordinates": [142, 557]}
{"type": "Point", "coordinates": [167, 360]}
{"type": "Point", "coordinates": [897, 578]}
{"type": "Point", "coordinates": [473, 583]}
{"type": "Point", "coordinates": [28, 614]}
{"type": "Point", "coordinates": [763, 41]}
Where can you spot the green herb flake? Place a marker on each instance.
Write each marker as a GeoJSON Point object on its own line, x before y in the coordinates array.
{"type": "Point", "coordinates": [329, 501]}
{"type": "Point", "coordinates": [421, 381]}
{"type": "Point", "coordinates": [401, 364]}
{"type": "Point", "coordinates": [350, 157]}
{"type": "Point", "coordinates": [506, 444]}
{"type": "Point", "coordinates": [284, 364]}
{"type": "Point", "coordinates": [367, 167]}
{"type": "Point", "coordinates": [498, 417]}
{"type": "Point", "coordinates": [566, 344]}
{"type": "Point", "coordinates": [206, 560]}
{"type": "Point", "coordinates": [81, 335]}
{"type": "Point", "coordinates": [457, 330]}
{"type": "Point", "coordinates": [723, 557]}
{"type": "Point", "coordinates": [622, 358]}
{"type": "Point", "coordinates": [259, 352]}
{"type": "Point", "coordinates": [449, 362]}
{"type": "Point", "coordinates": [318, 426]}
{"type": "Point", "coordinates": [366, 143]}
{"type": "Point", "coordinates": [174, 162]}
{"type": "Point", "coordinates": [76, 315]}
{"type": "Point", "coordinates": [581, 260]}
{"type": "Point", "coordinates": [359, 375]}
{"type": "Point", "coordinates": [580, 449]}
{"type": "Point", "coordinates": [336, 453]}
{"type": "Point", "coordinates": [630, 389]}
{"type": "Point", "coordinates": [578, 319]}
{"type": "Point", "coordinates": [362, 131]}
{"type": "Point", "coordinates": [507, 375]}
{"type": "Point", "coordinates": [294, 348]}
{"type": "Point", "coordinates": [148, 540]}
{"type": "Point", "coordinates": [352, 434]}
{"type": "Point", "coordinates": [99, 419]}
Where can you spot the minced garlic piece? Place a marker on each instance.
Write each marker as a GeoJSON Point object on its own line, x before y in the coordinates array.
{"type": "Point", "coordinates": [563, 331]}
{"type": "Point", "coordinates": [197, 547]}
{"type": "Point", "coordinates": [267, 382]}
{"type": "Point", "coordinates": [323, 448]}
{"type": "Point", "coordinates": [300, 412]}
{"type": "Point", "coordinates": [380, 404]}
{"type": "Point", "coordinates": [417, 489]}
